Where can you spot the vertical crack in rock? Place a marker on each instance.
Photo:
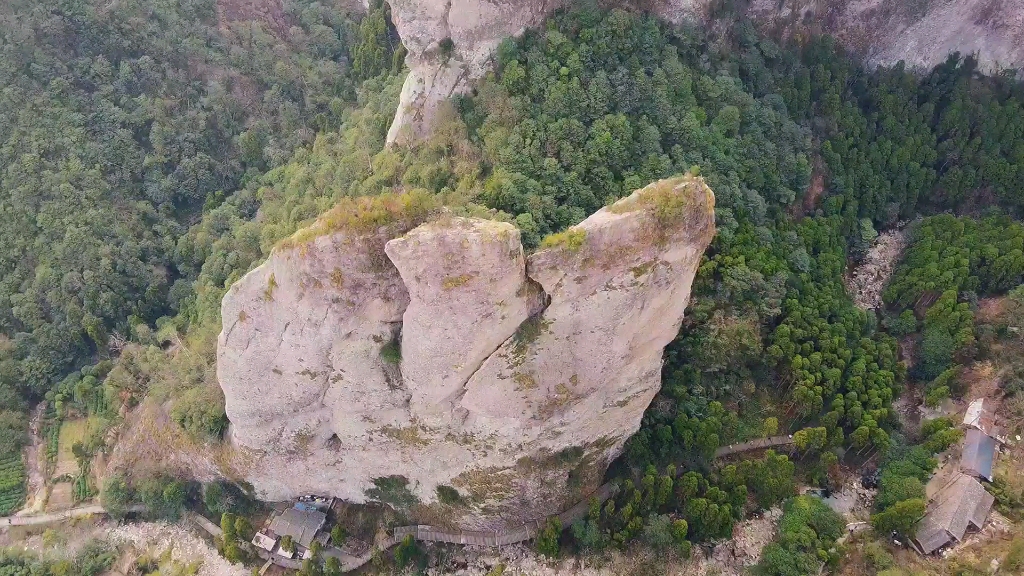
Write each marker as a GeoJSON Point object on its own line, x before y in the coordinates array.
{"type": "Point", "coordinates": [445, 26]}
{"type": "Point", "coordinates": [468, 293]}
{"type": "Point", "coordinates": [392, 367]}
{"type": "Point", "coordinates": [519, 378]}
{"type": "Point", "coordinates": [544, 300]}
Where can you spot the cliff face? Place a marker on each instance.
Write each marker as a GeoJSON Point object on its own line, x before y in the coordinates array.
{"type": "Point", "coordinates": [922, 34]}
{"type": "Point", "coordinates": [439, 353]}
{"type": "Point", "coordinates": [884, 32]}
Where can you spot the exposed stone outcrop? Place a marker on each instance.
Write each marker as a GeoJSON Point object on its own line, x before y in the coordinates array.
{"type": "Point", "coordinates": [451, 41]}
{"type": "Point", "coordinates": [469, 294]}
{"type": "Point", "coordinates": [922, 34]}
{"type": "Point", "coordinates": [519, 378]}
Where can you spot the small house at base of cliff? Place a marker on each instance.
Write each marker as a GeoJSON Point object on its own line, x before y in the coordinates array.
{"type": "Point", "coordinates": [301, 524]}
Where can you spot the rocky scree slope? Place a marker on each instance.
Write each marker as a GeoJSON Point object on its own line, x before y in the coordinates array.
{"type": "Point", "coordinates": [518, 379]}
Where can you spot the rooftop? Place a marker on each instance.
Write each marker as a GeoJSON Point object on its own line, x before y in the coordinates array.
{"type": "Point", "coordinates": [979, 416]}
{"type": "Point", "coordinates": [264, 541]}
{"type": "Point", "coordinates": [301, 525]}
{"type": "Point", "coordinates": [961, 503]}
{"type": "Point", "coordinates": [978, 453]}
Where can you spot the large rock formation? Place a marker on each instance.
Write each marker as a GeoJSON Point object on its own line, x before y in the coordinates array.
{"type": "Point", "coordinates": [451, 41]}
{"type": "Point", "coordinates": [421, 350]}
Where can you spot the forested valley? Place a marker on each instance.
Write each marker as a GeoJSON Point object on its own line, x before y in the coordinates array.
{"type": "Point", "coordinates": [152, 154]}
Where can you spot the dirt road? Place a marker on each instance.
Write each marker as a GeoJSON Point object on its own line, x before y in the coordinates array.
{"type": "Point", "coordinates": [35, 463]}
{"type": "Point", "coordinates": [54, 517]}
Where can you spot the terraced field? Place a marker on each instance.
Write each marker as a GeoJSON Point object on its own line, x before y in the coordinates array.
{"type": "Point", "coordinates": [12, 483]}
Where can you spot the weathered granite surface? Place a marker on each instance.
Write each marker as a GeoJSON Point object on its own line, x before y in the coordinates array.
{"type": "Point", "coordinates": [519, 378]}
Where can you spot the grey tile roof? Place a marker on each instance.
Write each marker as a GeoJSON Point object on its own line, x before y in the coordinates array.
{"type": "Point", "coordinates": [978, 454]}
{"type": "Point", "coordinates": [301, 525]}
{"type": "Point", "coordinates": [961, 503]}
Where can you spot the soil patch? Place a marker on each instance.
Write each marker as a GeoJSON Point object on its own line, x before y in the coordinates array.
{"type": "Point", "coordinates": [35, 462]}
{"type": "Point", "coordinates": [62, 497]}
{"type": "Point", "coordinates": [990, 310]}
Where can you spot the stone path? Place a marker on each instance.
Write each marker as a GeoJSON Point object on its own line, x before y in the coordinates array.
{"type": "Point", "coordinates": [58, 516]}
{"type": "Point", "coordinates": [35, 463]}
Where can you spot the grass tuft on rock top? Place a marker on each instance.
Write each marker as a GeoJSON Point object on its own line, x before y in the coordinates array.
{"type": "Point", "coordinates": [367, 214]}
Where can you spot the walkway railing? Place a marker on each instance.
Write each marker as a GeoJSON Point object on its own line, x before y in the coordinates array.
{"type": "Point", "coordinates": [769, 442]}
{"type": "Point", "coordinates": [530, 530]}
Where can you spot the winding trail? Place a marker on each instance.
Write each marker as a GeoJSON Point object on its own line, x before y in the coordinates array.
{"type": "Point", "coordinates": [53, 516]}
{"type": "Point", "coordinates": [90, 510]}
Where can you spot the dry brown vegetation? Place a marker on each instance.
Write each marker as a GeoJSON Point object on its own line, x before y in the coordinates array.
{"type": "Point", "coordinates": [150, 443]}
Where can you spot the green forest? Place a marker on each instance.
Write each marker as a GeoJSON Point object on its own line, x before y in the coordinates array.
{"type": "Point", "coordinates": [151, 155]}
{"type": "Point", "coordinates": [119, 129]}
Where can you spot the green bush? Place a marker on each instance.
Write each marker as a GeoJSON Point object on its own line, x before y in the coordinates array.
{"type": "Point", "coordinates": [1014, 559]}
{"type": "Point", "coordinates": [901, 325]}
{"type": "Point", "coordinates": [807, 532]}
{"type": "Point", "coordinates": [200, 411]}
{"type": "Point", "coordinates": [391, 353]}
{"type": "Point", "coordinates": [116, 496]}
{"type": "Point", "coordinates": [900, 519]}
{"type": "Point", "coordinates": [287, 544]}
{"type": "Point", "coordinates": [163, 496]}
{"type": "Point", "coordinates": [893, 488]}
{"type": "Point", "coordinates": [394, 491]}
{"type": "Point", "coordinates": [409, 553]}
{"type": "Point", "coordinates": [878, 556]}
{"type": "Point", "coordinates": [448, 495]}
{"type": "Point", "coordinates": [338, 535]}
{"type": "Point", "coordinates": [547, 539]}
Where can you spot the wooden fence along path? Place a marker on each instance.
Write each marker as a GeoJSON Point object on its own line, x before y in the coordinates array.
{"type": "Point", "coordinates": [769, 442]}
{"type": "Point", "coordinates": [516, 535]}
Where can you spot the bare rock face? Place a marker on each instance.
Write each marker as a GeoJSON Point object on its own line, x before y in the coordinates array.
{"type": "Point", "coordinates": [469, 293]}
{"type": "Point", "coordinates": [921, 34]}
{"type": "Point", "coordinates": [451, 41]}
{"type": "Point", "coordinates": [385, 363]}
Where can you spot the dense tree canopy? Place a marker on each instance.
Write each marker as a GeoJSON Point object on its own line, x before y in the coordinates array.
{"type": "Point", "coordinates": [118, 128]}
{"type": "Point", "coordinates": [807, 532]}
{"type": "Point", "coordinates": [152, 155]}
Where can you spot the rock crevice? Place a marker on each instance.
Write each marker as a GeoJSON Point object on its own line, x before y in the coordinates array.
{"type": "Point", "coordinates": [520, 376]}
